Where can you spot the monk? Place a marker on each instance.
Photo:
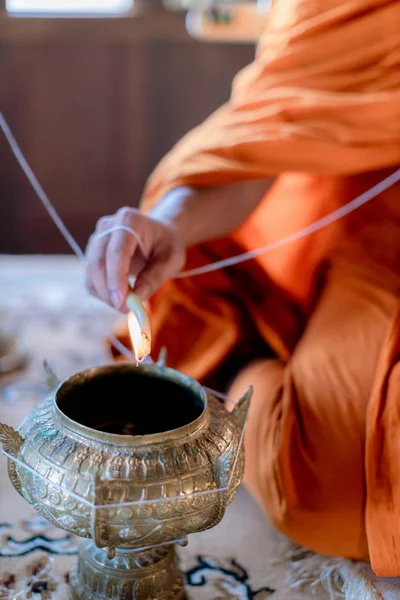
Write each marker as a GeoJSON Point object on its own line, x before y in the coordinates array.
{"type": "Point", "coordinates": [314, 325]}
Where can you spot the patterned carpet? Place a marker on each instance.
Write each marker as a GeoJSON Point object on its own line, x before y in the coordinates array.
{"type": "Point", "coordinates": [243, 558]}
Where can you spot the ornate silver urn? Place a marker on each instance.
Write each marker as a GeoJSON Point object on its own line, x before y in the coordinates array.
{"type": "Point", "coordinates": [132, 459]}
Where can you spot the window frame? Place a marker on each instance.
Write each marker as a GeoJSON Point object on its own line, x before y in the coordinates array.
{"type": "Point", "coordinates": [137, 5]}
{"type": "Point", "coordinates": [148, 20]}
{"type": "Point", "coordinates": [37, 14]}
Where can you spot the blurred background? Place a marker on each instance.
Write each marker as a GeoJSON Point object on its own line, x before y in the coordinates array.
{"type": "Point", "coordinates": [96, 92]}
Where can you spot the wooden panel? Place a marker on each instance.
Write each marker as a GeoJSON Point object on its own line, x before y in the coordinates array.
{"type": "Point", "coordinates": [93, 119]}
{"type": "Point", "coordinates": [195, 81]}
{"type": "Point", "coordinates": [133, 113]}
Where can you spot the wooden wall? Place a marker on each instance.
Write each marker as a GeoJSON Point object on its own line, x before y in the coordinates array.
{"type": "Point", "coordinates": [94, 106]}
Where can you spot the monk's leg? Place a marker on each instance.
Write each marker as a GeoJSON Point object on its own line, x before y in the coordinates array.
{"type": "Point", "coordinates": [382, 460]}
{"type": "Point", "coordinates": [305, 438]}
{"type": "Point", "coordinates": [263, 426]}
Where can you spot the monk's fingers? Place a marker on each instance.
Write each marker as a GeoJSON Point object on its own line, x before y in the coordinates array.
{"type": "Point", "coordinates": [118, 259]}
{"type": "Point", "coordinates": [122, 247]}
{"type": "Point", "coordinates": [152, 277]}
{"type": "Point", "coordinates": [138, 263]}
{"type": "Point", "coordinates": [130, 245]}
{"type": "Point", "coordinates": [96, 279]}
{"type": "Point", "coordinates": [89, 285]}
{"type": "Point", "coordinates": [104, 224]}
{"type": "Point", "coordinates": [95, 252]}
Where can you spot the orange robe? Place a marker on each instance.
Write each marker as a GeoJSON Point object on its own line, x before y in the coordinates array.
{"type": "Point", "coordinates": [319, 108]}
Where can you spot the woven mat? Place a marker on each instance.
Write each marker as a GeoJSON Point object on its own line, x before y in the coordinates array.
{"type": "Point", "coordinates": [243, 558]}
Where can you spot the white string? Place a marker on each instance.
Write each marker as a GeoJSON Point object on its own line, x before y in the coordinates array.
{"type": "Point", "coordinates": [54, 215]}
{"type": "Point", "coordinates": [39, 190]}
{"type": "Point", "coordinates": [301, 233]}
{"type": "Point", "coordinates": [128, 230]}
{"type": "Point", "coordinates": [337, 214]}
{"type": "Point", "coordinates": [314, 227]}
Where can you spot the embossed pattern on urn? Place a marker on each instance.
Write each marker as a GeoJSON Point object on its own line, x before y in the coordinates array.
{"type": "Point", "coordinates": [133, 458]}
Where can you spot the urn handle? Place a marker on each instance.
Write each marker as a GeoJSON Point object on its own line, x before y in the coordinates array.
{"type": "Point", "coordinates": [162, 358]}
{"type": "Point", "coordinates": [11, 440]}
{"type": "Point", "coordinates": [51, 378]}
{"type": "Point", "coordinates": [242, 407]}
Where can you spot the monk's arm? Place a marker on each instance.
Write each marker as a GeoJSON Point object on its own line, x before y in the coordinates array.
{"type": "Point", "coordinates": [204, 214]}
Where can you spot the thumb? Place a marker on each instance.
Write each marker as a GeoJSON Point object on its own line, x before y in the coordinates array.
{"type": "Point", "coordinates": [151, 279]}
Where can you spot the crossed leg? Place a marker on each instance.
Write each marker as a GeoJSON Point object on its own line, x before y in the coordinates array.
{"type": "Point", "coordinates": [305, 436]}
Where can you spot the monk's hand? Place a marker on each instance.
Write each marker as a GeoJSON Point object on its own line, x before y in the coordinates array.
{"type": "Point", "coordinates": [128, 245]}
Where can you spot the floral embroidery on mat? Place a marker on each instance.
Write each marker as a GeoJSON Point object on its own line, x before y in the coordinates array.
{"type": "Point", "coordinates": [39, 582]}
{"type": "Point", "coordinates": [10, 547]}
{"type": "Point", "coordinates": [230, 583]}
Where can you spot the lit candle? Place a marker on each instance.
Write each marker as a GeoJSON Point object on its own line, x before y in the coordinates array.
{"type": "Point", "coordinates": [139, 327]}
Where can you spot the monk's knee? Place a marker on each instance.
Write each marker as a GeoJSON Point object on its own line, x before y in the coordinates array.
{"type": "Point", "coordinates": [266, 377]}
{"type": "Point", "coordinates": [300, 493]}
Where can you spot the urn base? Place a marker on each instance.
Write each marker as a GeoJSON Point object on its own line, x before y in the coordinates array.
{"type": "Point", "coordinates": [131, 575]}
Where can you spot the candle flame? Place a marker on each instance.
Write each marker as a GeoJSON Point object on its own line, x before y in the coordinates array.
{"type": "Point", "coordinates": [140, 340]}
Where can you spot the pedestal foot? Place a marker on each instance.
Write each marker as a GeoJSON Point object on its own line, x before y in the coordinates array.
{"type": "Point", "coordinates": [129, 576]}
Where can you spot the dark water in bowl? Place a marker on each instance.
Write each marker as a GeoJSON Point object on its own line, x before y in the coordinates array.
{"type": "Point", "coordinates": [129, 403]}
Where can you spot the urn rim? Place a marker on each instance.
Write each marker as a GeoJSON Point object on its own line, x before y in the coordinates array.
{"type": "Point", "coordinates": [132, 440]}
